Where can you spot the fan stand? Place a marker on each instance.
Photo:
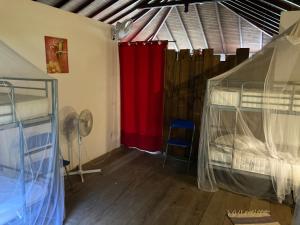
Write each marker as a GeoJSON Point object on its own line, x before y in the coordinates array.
{"type": "Point", "coordinates": [70, 155]}
{"type": "Point", "coordinates": [80, 171]}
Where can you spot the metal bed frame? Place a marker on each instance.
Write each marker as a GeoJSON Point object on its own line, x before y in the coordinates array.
{"type": "Point", "coordinates": [242, 86]}
{"type": "Point", "coordinates": [222, 167]}
{"type": "Point", "coordinates": [51, 117]}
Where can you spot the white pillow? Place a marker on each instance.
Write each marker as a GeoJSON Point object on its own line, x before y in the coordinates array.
{"type": "Point", "coordinates": [224, 143]}
{"type": "Point", "coordinates": [243, 142]}
{"type": "Point", "coordinates": [224, 140]}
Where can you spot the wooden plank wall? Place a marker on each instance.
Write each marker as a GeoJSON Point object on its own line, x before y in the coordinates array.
{"type": "Point", "coordinates": [185, 82]}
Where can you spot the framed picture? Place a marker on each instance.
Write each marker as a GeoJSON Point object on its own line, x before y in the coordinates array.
{"type": "Point", "coordinates": [56, 55]}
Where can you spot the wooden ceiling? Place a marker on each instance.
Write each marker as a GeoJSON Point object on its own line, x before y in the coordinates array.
{"type": "Point", "coordinates": [190, 24]}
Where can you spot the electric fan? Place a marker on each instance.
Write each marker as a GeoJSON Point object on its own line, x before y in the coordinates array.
{"type": "Point", "coordinates": [68, 128]}
{"type": "Point", "coordinates": [84, 128]}
{"type": "Point", "coordinates": [121, 30]}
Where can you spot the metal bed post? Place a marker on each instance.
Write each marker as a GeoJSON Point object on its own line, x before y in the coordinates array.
{"type": "Point", "coordinates": [46, 88]}
{"type": "Point", "coordinates": [54, 121]}
{"type": "Point", "coordinates": [235, 124]}
{"type": "Point", "coordinates": [14, 116]}
{"type": "Point", "coordinates": [54, 131]}
{"type": "Point", "coordinates": [292, 100]}
{"type": "Point", "coordinates": [22, 169]}
{"type": "Point", "coordinates": [234, 136]}
{"type": "Point", "coordinates": [218, 124]}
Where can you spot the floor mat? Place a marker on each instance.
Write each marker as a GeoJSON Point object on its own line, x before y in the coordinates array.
{"type": "Point", "coordinates": [251, 217]}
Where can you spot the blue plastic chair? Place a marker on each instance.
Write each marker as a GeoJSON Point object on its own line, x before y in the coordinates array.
{"type": "Point", "coordinates": [188, 144]}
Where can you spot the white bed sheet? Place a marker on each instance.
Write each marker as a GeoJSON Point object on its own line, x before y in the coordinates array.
{"type": "Point", "coordinates": [11, 199]}
{"type": "Point", "coordinates": [244, 161]}
{"type": "Point", "coordinates": [251, 99]}
{"type": "Point", "coordinates": [27, 107]}
{"type": "Point", "coordinates": [241, 161]}
{"type": "Point", "coordinates": [247, 162]}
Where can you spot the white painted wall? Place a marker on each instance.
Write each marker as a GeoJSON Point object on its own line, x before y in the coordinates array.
{"type": "Point", "coordinates": [93, 63]}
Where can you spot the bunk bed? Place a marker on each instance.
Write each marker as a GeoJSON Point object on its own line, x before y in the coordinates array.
{"type": "Point", "coordinates": [28, 122]}
{"type": "Point", "coordinates": [250, 128]}
{"type": "Point", "coordinates": [31, 190]}
{"type": "Point", "coordinates": [236, 150]}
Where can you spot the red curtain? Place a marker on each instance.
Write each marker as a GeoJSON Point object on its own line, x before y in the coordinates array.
{"type": "Point", "coordinates": [142, 82]}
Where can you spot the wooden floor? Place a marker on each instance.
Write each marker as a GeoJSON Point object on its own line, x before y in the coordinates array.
{"type": "Point", "coordinates": [134, 189]}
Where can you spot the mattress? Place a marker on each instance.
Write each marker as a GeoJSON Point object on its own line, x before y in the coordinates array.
{"type": "Point", "coordinates": [11, 198]}
{"type": "Point", "coordinates": [226, 97]}
{"type": "Point", "coordinates": [27, 107]}
{"type": "Point", "coordinates": [253, 99]}
{"type": "Point", "coordinates": [241, 160]}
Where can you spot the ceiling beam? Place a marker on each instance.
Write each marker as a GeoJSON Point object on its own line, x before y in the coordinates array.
{"type": "Point", "coordinates": [174, 3]}
{"type": "Point", "coordinates": [145, 25]}
{"type": "Point", "coordinates": [240, 32]}
{"type": "Point", "coordinates": [82, 6]}
{"type": "Point", "coordinates": [259, 16]}
{"type": "Point", "coordinates": [297, 5]}
{"type": "Point", "coordinates": [184, 28]}
{"type": "Point", "coordinates": [140, 14]}
{"type": "Point", "coordinates": [272, 4]}
{"type": "Point", "coordinates": [220, 27]}
{"type": "Point", "coordinates": [280, 5]}
{"type": "Point", "coordinates": [260, 13]}
{"type": "Point", "coordinates": [263, 20]}
{"type": "Point", "coordinates": [253, 23]}
{"type": "Point", "coordinates": [61, 3]}
{"type": "Point", "coordinates": [265, 25]}
{"type": "Point", "coordinates": [130, 11]}
{"type": "Point", "coordinates": [171, 35]}
{"type": "Point", "coordinates": [101, 8]}
{"type": "Point", "coordinates": [201, 26]}
{"type": "Point", "coordinates": [264, 8]}
{"type": "Point", "coordinates": [116, 11]}
{"type": "Point", "coordinates": [160, 24]}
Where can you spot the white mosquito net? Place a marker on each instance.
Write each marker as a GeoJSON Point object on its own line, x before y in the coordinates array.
{"type": "Point", "coordinates": [250, 130]}
{"type": "Point", "coordinates": [31, 182]}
